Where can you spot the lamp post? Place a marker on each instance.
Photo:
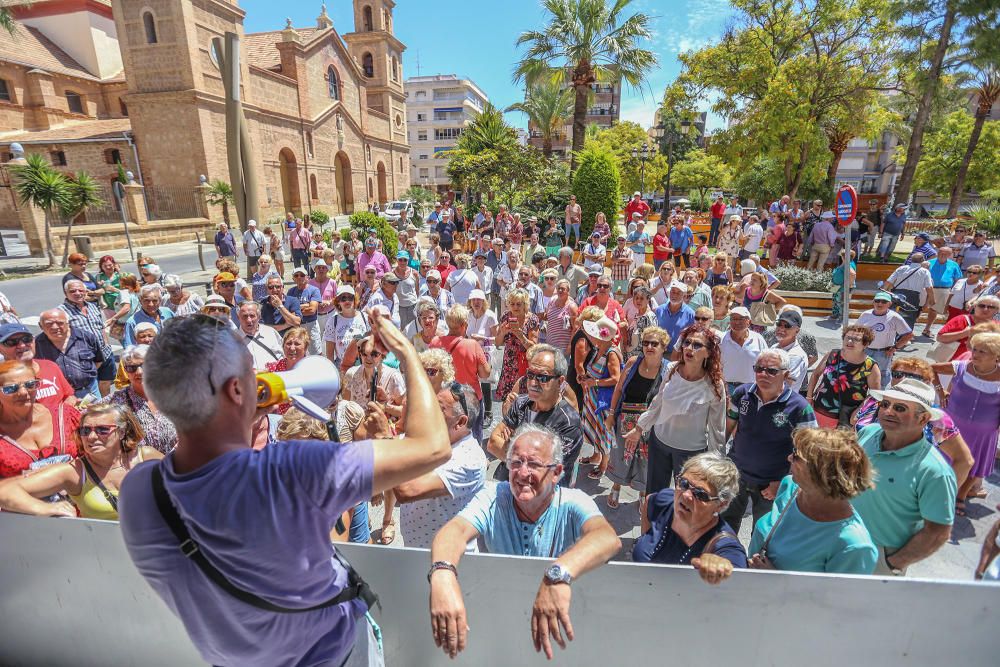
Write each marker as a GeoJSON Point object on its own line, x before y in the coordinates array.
{"type": "Point", "coordinates": [642, 155]}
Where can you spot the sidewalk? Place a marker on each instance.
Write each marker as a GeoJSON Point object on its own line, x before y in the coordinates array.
{"type": "Point", "coordinates": [27, 265]}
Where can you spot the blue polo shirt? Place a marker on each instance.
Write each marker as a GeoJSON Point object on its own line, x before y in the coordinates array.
{"type": "Point", "coordinates": [271, 316]}
{"type": "Point", "coordinates": [944, 274]}
{"type": "Point", "coordinates": [763, 438]}
{"type": "Point", "coordinates": [637, 241]}
{"type": "Point", "coordinates": [310, 293]}
{"type": "Point", "coordinates": [142, 316]}
{"type": "Point", "coordinates": [674, 323]}
{"type": "Point", "coordinates": [913, 484]}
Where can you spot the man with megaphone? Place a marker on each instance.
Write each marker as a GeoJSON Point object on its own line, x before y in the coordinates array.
{"type": "Point", "coordinates": [236, 541]}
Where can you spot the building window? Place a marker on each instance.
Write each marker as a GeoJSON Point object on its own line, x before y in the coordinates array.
{"type": "Point", "coordinates": [422, 156]}
{"type": "Point", "coordinates": [58, 158]}
{"type": "Point", "coordinates": [74, 101]}
{"type": "Point", "coordinates": [421, 95]}
{"type": "Point", "coordinates": [448, 133]}
{"type": "Point", "coordinates": [371, 189]}
{"type": "Point", "coordinates": [366, 18]}
{"type": "Point", "coordinates": [368, 154]}
{"type": "Point", "coordinates": [399, 120]}
{"type": "Point", "coordinates": [4, 92]}
{"type": "Point", "coordinates": [401, 164]}
{"type": "Point", "coordinates": [421, 117]}
{"type": "Point", "coordinates": [332, 83]}
{"type": "Point", "coordinates": [309, 144]}
{"type": "Point", "coordinates": [113, 156]}
{"type": "Point", "coordinates": [422, 135]}
{"type": "Point", "coordinates": [395, 69]}
{"type": "Point", "coordinates": [122, 107]}
{"type": "Point", "coordinates": [313, 188]}
{"type": "Point", "coordinates": [424, 172]}
{"type": "Point", "coordinates": [215, 51]}
{"type": "Point", "coordinates": [149, 24]}
{"type": "Point", "coordinates": [368, 65]}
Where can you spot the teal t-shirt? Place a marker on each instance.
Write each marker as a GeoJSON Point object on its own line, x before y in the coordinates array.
{"type": "Point", "coordinates": [802, 545]}
{"type": "Point", "coordinates": [912, 484]}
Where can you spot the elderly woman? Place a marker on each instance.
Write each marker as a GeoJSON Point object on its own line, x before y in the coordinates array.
{"type": "Point", "coordinates": [729, 239]}
{"type": "Point", "coordinates": [973, 401]}
{"type": "Point", "coordinates": [258, 279]}
{"type": "Point", "coordinates": [518, 330]}
{"type": "Point", "coordinates": [242, 287]}
{"type": "Point", "coordinates": [639, 382]}
{"type": "Point", "coordinates": [109, 438]}
{"type": "Point", "coordinates": [560, 316]}
{"type": "Point", "coordinates": [843, 378]}
{"type": "Point", "coordinates": [344, 328]}
{"type": "Point", "coordinates": [428, 321]}
{"type": "Point", "coordinates": [439, 368]}
{"type": "Point", "coordinates": [688, 416]}
{"type": "Point", "coordinates": [959, 329]}
{"type": "Point", "coordinates": [78, 271]}
{"type": "Point", "coordinates": [32, 435]}
{"type": "Point", "coordinates": [159, 432]}
{"type": "Point", "coordinates": [601, 372]}
{"type": "Point", "coordinates": [482, 328]}
{"type": "Point", "coordinates": [145, 332]}
{"type": "Point", "coordinates": [812, 526]}
{"type": "Point", "coordinates": [548, 279]}
{"type": "Point", "coordinates": [700, 295]}
{"type": "Point", "coordinates": [722, 301]}
{"type": "Point", "coordinates": [682, 526]}
{"type": "Point", "coordinates": [181, 301]}
{"type": "Point", "coordinates": [631, 312]}
{"type": "Point", "coordinates": [295, 347]}
{"type": "Point", "coordinates": [109, 280]}
{"type": "Point", "coordinates": [579, 351]}
{"type": "Point", "coordinates": [644, 317]}
{"type": "Point", "coordinates": [660, 285]}
{"type": "Point", "coordinates": [755, 299]}
{"type": "Point", "coordinates": [151, 274]}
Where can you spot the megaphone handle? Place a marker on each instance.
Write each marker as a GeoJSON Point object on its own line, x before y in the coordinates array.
{"type": "Point", "coordinates": [331, 424]}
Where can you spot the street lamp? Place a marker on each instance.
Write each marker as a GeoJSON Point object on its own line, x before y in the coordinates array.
{"type": "Point", "coordinates": [642, 155]}
{"type": "Point", "coordinates": [670, 135]}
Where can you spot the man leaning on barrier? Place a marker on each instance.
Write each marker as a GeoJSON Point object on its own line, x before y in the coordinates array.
{"type": "Point", "coordinates": [529, 516]}
{"type": "Point", "coordinates": [257, 581]}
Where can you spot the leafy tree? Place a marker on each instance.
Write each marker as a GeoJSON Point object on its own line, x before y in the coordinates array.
{"type": "Point", "coordinates": [220, 193]}
{"type": "Point", "coordinates": [548, 105]}
{"type": "Point", "coordinates": [764, 180]}
{"type": "Point", "coordinates": [597, 186]}
{"type": "Point", "coordinates": [82, 192]}
{"type": "Point", "coordinates": [38, 184]}
{"type": "Point", "coordinates": [945, 150]}
{"type": "Point", "coordinates": [702, 172]}
{"type": "Point", "coordinates": [7, 19]}
{"type": "Point", "coordinates": [620, 140]}
{"type": "Point", "coordinates": [585, 42]}
{"type": "Point", "coordinates": [988, 91]}
{"type": "Point", "coordinates": [364, 221]}
{"type": "Point", "coordinates": [320, 217]}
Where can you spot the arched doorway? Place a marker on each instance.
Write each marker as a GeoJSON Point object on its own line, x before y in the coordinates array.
{"type": "Point", "coordinates": [345, 188]}
{"type": "Point", "coordinates": [289, 169]}
{"type": "Point", "coordinates": [383, 195]}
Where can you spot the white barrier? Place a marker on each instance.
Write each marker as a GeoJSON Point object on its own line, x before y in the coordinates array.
{"type": "Point", "coordinates": [70, 596]}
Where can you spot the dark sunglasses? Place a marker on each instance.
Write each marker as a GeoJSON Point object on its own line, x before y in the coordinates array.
{"type": "Point", "coordinates": [274, 287]}
{"type": "Point", "coordinates": [703, 319]}
{"type": "Point", "coordinates": [345, 297]}
{"type": "Point", "coordinates": [699, 494]}
{"type": "Point", "coordinates": [651, 343]}
{"type": "Point", "coordinates": [103, 431]}
{"type": "Point", "coordinates": [9, 389]}
{"type": "Point", "coordinates": [898, 408]}
{"type": "Point", "coordinates": [431, 372]}
{"type": "Point", "coordinates": [603, 286]}
{"type": "Point", "coordinates": [693, 344]}
{"type": "Point", "coordinates": [225, 283]}
{"type": "Point", "coordinates": [899, 375]}
{"type": "Point", "coordinates": [132, 368]}
{"type": "Point", "coordinates": [770, 372]}
{"type": "Point", "coordinates": [540, 378]}
{"type": "Point", "coordinates": [374, 354]}
{"type": "Point", "coordinates": [19, 340]}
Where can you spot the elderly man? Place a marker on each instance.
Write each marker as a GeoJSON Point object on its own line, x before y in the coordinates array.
{"type": "Point", "coordinates": [761, 418]}
{"type": "Point", "coordinates": [430, 501]}
{"type": "Point", "coordinates": [890, 329]}
{"type": "Point", "coordinates": [636, 205]}
{"type": "Point", "coordinates": [87, 316]}
{"type": "Point", "coordinates": [253, 245]}
{"type": "Point", "coordinates": [914, 284]}
{"type": "Point", "coordinates": [542, 405]}
{"type": "Point", "coordinates": [529, 516]}
{"type": "Point", "coordinates": [922, 245]}
{"type": "Point", "coordinates": [385, 296]}
{"type": "Point", "coordinates": [638, 240]}
{"type": "Point", "coordinates": [821, 242]}
{"type": "Point", "coordinates": [526, 280]}
{"type": "Point", "coordinates": [76, 352]}
{"type": "Point", "coordinates": [893, 227]}
{"type": "Point", "coordinates": [594, 253]}
{"type": "Point", "coordinates": [570, 271]}
{"type": "Point", "coordinates": [739, 348]}
{"type": "Point", "coordinates": [150, 311]}
{"type": "Point", "coordinates": [372, 256]}
{"type": "Point", "coordinates": [263, 342]}
{"type": "Point", "coordinates": [675, 315]}
{"type": "Point", "coordinates": [309, 299]}
{"type": "Point", "coordinates": [910, 511]}
{"type": "Point", "coordinates": [979, 252]}
{"type": "Point", "coordinates": [786, 331]}
{"type": "Point", "coordinates": [531, 248]}
{"type": "Point", "coordinates": [589, 288]}
{"type": "Point", "coordinates": [446, 229]}
{"type": "Point", "coordinates": [277, 310]}
{"type": "Point", "coordinates": [945, 272]}
{"type": "Point", "coordinates": [17, 344]}
{"type": "Point", "coordinates": [288, 497]}
{"type": "Point", "coordinates": [442, 298]}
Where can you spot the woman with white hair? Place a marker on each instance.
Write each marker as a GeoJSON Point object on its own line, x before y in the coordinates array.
{"type": "Point", "coordinates": [258, 279]}
{"type": "Point", "coordinates": [158, 431]}
{"type": "Point", "coordinates": [181, 301]}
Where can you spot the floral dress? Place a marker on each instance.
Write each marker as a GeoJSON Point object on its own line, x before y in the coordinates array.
{"type": "Point", "coordinates": [729, 241]}
{"type": "Point", "coordinates": [515, 358]}
{"type": "Point", "coordinates": [842, 387]}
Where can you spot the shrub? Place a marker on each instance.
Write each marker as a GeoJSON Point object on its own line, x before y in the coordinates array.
{"type": "Point", "coordinates": [320, 218]}
{"type": "Point", "coordinates": [798, 279]}
{"type": "Point", "coordinates": [365, 221]}
{"type": "Point", "coordinates": [987, 218]}
{"type": "Point", "coordinates": [597, 186]}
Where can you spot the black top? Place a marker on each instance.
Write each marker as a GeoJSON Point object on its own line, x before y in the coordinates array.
{"type": "Point", "coordinates": [637, 390]}
{"type": "Point", "coordinates": [562, 419]}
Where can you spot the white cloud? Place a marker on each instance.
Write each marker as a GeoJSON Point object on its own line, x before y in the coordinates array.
{"type": "Point", "coordinates": [639, 110]}
{"type": "Point", "coordinates": [696, 25]}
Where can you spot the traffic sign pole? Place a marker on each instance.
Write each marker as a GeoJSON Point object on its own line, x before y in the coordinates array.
{"type": "Point", "coordinates": [845, 209]}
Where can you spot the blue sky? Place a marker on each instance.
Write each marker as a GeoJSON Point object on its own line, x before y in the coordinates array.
{"type": "Point", "coordinates": [475, 39]}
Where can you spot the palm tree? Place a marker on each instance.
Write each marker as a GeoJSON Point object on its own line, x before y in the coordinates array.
{"type": "Point", "coordinates": [988, 90]}
{"type": "Point", "coordinates": [488, 130]}
{"type": "Point", "coordinates": [7, 19]}
{"type": "Point", "coordinates": [82, 192]}
{"type": "Point", "coordinates": [548, 106]}
{"type": "Point", "coordinates": [220, 193]}
{"type": "Point", "coordinates": [38, 184]}
{"type": "Point", "coordinates": [585, 42]}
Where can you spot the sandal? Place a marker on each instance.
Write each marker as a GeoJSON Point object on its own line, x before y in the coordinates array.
{"type": "Point", "coordinates": [613, 498]}
{"type": "Point", "coordinates": [959, 508]}
{"type": "Point", "coordinates": [597, 473]}
{"type": "Point", "coordinates": [388, 533]}
{"type": "Point", "coordinates": [981, 493]}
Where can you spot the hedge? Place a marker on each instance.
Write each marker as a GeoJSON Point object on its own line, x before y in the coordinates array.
{"type": "Point", "coordinates": [597, 186]}
{"type": "Point", "coordinates": [364, 221]}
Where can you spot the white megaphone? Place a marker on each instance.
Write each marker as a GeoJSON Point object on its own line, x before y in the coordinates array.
{"type": "Point", "coordinates": [311, 386]}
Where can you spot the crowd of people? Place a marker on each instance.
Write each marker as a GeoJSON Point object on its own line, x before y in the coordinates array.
{"type": "Point", "coordinates": [511, 355]}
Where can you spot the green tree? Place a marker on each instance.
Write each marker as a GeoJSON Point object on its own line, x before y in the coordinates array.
{"type": "Point", "coordinates": [586, 42]}
{"type": "Point", "coordinates": [7, 19]}
{"type": "Point", "coordinates": [364, 221]}
{"type": "Point", "coordinates": [764, 180]}
{"type": "Point", "coordinates": [702, 172]}
{"type": "Point", "coordinates": [82, 192]}
{"type": "Point", "coordinates": [944, 152]}
{"type": "Point", "coordinates": [620, 140]}
{"type": "Point", "coordinates": [597, 186]}
{"type": "Point", "coordinates": [548, 105]}
{"type": "Point", "coordinates": [38, 184]}
{"type": "Point", "coordinates": [220, 193]}
{"type": "Point", "coordinates": [988, 91]}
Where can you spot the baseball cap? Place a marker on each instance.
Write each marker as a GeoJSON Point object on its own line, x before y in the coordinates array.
{"type": "Point", "coordinates": [636, 193]}
{"type": "Point", "coordinates": [251, 223]}
{"type": "Point", "coordinates": [345, 289]}
{"type": "Point", "coordinates": [319, 263]}
{"type": "Point", "coordinates": [676, 284]}
{"type": "Point", "coordinates": [791, 318]}
{"type": "Point", "coordinates": [301, 270]}
{"type": "Point", "coordinates": [224, 277]}
{"type": "Point", "coordinates": [740, 310]}
{"type": "Point", "coordinates": [595, 235]}
{"type": "Point", "coordinates": [390, 278]}
{"type": "Point", "coordinates": [402, 254]}
{"type": "Point", "coordinates": [923, 235]}
{"type": "Point", "coordinates": [595, 272]}
{"type": "Point", "coordinates": [433, 273]}
{"type": "Point", "coordinates": [12, 329]}
{"type": "Point", "coordinates": [636, 215]}
{"type": "Point", "coordinates": [478, 254]}
{"type": "Point", "coordinates": [882, 295]}
{"type": "Point", "coordinates": [477, 294]}
{"type": "Point", "coordinates": [371, 241]}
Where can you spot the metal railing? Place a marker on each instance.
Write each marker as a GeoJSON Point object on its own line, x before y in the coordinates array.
{"type": "Point", "coordinates": [169, 202]}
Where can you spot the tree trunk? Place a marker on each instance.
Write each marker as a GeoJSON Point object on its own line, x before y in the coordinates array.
{"type": "Point", "coordinates": [547, 146]}
{"type": "Point", "coordinates": [788, 173]}
{"type": "Point", "coordinates": [225, 212]}
{"type": "Point", "coordinates": [579, 123]}
{"type": "Point", "coordinates": [916, 146]}
{"type": "Point", "coordinates": [69, 235]}
{"type": "Point", "coordinates": [800, 170]}
{"type": "Point", "coordinates": [48, 241]}
{"type": "Point", "coordinates": [963, 169]}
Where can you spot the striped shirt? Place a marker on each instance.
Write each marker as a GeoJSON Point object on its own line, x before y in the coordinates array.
{"type": "Point", "coordinates": [91, 320]}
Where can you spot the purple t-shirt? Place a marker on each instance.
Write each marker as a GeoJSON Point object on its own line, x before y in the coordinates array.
{"type": "Point", "coordinates": [263, 518]}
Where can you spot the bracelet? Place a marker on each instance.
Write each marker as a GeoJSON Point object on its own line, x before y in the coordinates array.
{"type": "Point", "coordinates": [441, 565]}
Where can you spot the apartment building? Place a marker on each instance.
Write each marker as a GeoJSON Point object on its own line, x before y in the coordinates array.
{"type": "Point", "coordinates": [604, 111]}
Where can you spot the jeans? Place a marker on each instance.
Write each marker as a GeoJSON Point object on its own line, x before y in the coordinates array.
{"type": "Point", "coordinates": [359, 532]}
{"type": "Point", "coordinates": [300, 257]}
{"type": "Point", "coordinates": [570, 228]}
{"type": "Point", "coordinates": [888, 245]}
{"type": "Point", "coordinates": [882, 358]}
{"type": "Point", "coordinates": [657, 262]}
{"type": "Point", "coordinates": [748, 494]}
{"type": "Point", "coordinates": [713, 232]}
{"type": "Point", "coordinates": [665, 463]}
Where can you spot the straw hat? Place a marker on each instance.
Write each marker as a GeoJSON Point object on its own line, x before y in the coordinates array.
{"type": "Point", "coordinates": [603, 329]}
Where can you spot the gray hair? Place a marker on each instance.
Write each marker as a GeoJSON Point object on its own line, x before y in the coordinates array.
{"type": "Point", "coordinates": [250, 302]}
{"type": "Point", "coordinates": [67, 284]}
{"type": "Point", "coordinates": [172, 280]}
{"type": "Point", "coordinates": [424, 306]}
{"type": "Point", "coordinates": [470, 401]}
{"type": "Point", "coordinates": [187, 364]}
{"type": "Point", "coordinates": [145, 290]}
{"type": "Point", "coordinates": [560, 365]}
{"type": "Point", "coordinates": [565, 250]}
{"type": "Point", "coordinates": [544, 433]}
{"type": "Point", "coordinates": [135, 353]}
{"type": "Point", "coordinates": [720, 472]}
{"type": "Point", "coordinates": [154, 270]}
{"type": "Point", "coordinates": [784, 361]}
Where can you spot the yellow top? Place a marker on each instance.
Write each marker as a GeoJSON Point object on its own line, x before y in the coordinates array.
{"type": "Point", "coordinates": [91, 500]}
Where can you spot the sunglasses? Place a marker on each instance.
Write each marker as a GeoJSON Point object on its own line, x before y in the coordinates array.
{"type": "Point", "coordinates": [433, 281]}
{"type": "Point", "coordinates": [273, 287]}
{"type": "Point", "coordinates": [898, 408]}
{"type": "Point", "coordinates": [985, 306]}
{"type": "Point", "coordinates": [132, 368]}
{"type": "Point", "coordinates": [701, 495]}
{"type": "Point", "coordinates": [853, 339]}
{"type": "Point", "coordinates": [103, 431]}
{"type": "Point", "coordinates": [345, 298]}
{"type": "Point", "coordinates": [9, 389]}
{"type": "Point", "coordinates": [431, 372]}
{"type": "Point", "coordinates": [216, 309]}
{"type": "Point", "coordinates": [702, 319]}
{"type": "Point", "coordinates": [603, 286]}
{"type": "Point", "coordinates": [974, 273]}
{"type": "Point", "coordinates": [770, 372]}
{"type": "Point", "coordinates": [533, 466]}
{"type": "Point", "coordinates": [540, 378]}
{"type": "Point", "coordinates": [374, 354]}
{"type": "Point", "coordinates": [19, 340]}
{"type": "Point", "coordinates": [796, 455]}
{"type": "Point", "coordinates": [899, 375]}
{"type": "Point", "coordinates": [225, 284]}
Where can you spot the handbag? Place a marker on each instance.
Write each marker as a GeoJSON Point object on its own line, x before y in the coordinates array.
{"type": "Point", "coordinates": [604, 395]}
{"type": "Point", "coordinates": [763, 313]}
{"type": "Point", "coordinates": [496, 365]}
{"type": "Point", "coordinates": [943, 352]}
{"type": "Point", "coordinates": [116, 330]}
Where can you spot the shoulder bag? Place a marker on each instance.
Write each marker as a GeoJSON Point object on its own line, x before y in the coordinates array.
{"type": "Point", "coordinates": [763, 313]}
{"type": "Point", "coordinates": [774, 526]}
{"type": "Point", "coordinates": [943, 352]}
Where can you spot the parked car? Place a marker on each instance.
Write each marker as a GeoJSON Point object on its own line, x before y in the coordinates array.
{"type": "Point", "coordinates": [392, 209]}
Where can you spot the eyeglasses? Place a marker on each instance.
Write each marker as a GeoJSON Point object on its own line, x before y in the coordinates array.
{"type": "Point", "coordinates": [701, 495]}
{"type": "Point", "coordinates": [209, 310]}
{"type": "Point", "coordinates": [456, 390]}
{"type": "Point", "coordinates": [974, 273]}
{"type": "Point", "coordinates": [899, 375]}
{"type": "Point", "coordinates": [796, 454]}
{"type": "Point", "coordinates": [132, 368]}
{"type": "Point", "coordinates": [374, 354]}
{"type": "Point", "coordinates": [702, 319]}
{"type": "Point", "coordinates": [533, 466]}
{"type": "Point", "coordinates": [273, 287]}
{"type": "Point", "coordinates": [345, 298]}
{"type": "Point", "coordinates": [898, 408]}
{"type": "Point", "coordinates": [103, 431]}
{"type": "Point", "coordinates": [431, 372]}
{"type": "Point", "coordinates": [603, 286]}
{"type": "Point", "coordinates": [540, 378]}
{"type": "Point", "coordinates": [18, 340]}
{"type": "Point", "coordinates": [853, 339]}
{"type": "Point", "coordinates": [13, 388]}
{"type": "Point", "coordinates": [770, 372]}
{"type": "Point", "coordinates": [225, 284]}
{"type": "Point", "coordinates": [651, 343]}
{"type": "Point", "coordinates": [548, 278]}
{"type": "Point", "coordinates": [985, 306]}
{"type": "Point", "coordinates": [433, 281]}
{"type": "Point", "coordinates": [693, 344]}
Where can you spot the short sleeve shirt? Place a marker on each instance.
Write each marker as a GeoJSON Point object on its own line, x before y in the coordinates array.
{"type": "Point", "coordinates": [662, 545]}
{"type": "Point", "coordinates": [562, 419]}
{"type": "Point", "coordinates": [763, 438]}
{"type": "Point", "coordinates": [944, 274]}
{"type": "Point", "coordinates": [981, 255]}
{"type": "Point", "coordinates": [491, 512]}
{"type": "Point", "coordinates": [342, 331]}
{"type": "Point", "coordinates": [389, 379]}
{"type": "Point", "coordinates": [887, 328]}
{"type": "Point", "coordinates": [272, 316]}
{"type": "Point", "coordinates": [304, 296]}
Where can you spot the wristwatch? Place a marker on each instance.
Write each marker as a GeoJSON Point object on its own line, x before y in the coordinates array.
{"type": "Point", "coordinates": [892, 568]}
{"type": "Point", "coordinates": [557, 574]}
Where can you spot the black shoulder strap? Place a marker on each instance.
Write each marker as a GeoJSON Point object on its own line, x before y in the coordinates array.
{"type": "Point", "coordinates": [269, 350]}
{"type": "Point", "coordinates": [356, 586]}
{"type": "Point", "coordinates": [111, 498]}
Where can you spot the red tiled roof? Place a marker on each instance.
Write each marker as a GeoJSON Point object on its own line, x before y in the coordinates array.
{"type": "Point", "coordinates": [261, 51]}
{"type": "Point", "coordinates": [108, 128]}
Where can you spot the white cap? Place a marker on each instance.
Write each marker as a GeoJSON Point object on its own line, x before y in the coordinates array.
{"type": "Point", "coordinates": [636, 194]}
{"type": "Point", "coordinates": [252, 223]}
{"type": "Point", "coordinates": [676, 284]}
{"type": "Point", "coordinates": [477, 294]}
{"type": "Point", "coordinates": [320, 262]}
{"type": "Point", "coordinates": [433, 273]}
{"type": "Point", "coordinates": [301, 270]}
{"type": "Point", "coordinates": [345, 289]}
{"type": "Point", "coordinates": [747, 266]}
{"type": "Point", "coordinates": [740, 310]}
